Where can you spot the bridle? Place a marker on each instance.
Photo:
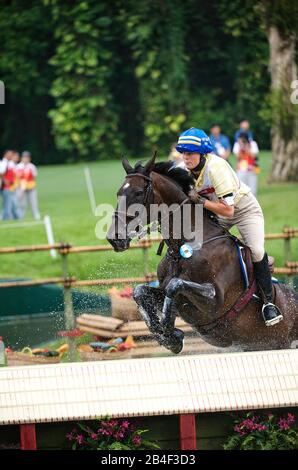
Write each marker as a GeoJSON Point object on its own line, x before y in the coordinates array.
{"type": "Point", "coordinates": [148, 198]}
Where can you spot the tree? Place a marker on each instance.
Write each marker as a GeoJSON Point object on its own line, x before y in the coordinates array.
{"type": "Point", "coordinates": [85, 115]}
{"type": "Point", "coordinates": [155, 31]}
{"type": "Point", "coordinates": [281, 20]}
{"type": "Point", "coordinates": [26, 46]}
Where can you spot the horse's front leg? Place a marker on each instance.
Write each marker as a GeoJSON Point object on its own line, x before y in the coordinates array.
{"type": "Point", "coordinates": [150, 300]}
{"type": "Point", "coordinates": [206, 292]}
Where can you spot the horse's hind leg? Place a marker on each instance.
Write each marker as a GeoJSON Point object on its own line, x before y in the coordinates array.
{"type": "Point", "coordinates": [150, 300]}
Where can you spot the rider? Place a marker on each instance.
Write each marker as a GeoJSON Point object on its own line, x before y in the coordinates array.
{"type": "Point", "coordinates": [219, 189]}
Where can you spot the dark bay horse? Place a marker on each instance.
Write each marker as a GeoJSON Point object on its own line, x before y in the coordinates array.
{"type": "Point", "coordinates": [203, 288]}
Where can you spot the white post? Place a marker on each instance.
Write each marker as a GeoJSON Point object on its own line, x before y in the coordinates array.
{"type": "Point", "coordinates": [50, 235]}
{"type": "Point", "coordinates": [2, 92]}
{"type": "Point", "coordinates": [90, 190]}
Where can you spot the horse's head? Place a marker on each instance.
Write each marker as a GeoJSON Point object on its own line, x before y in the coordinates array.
{"type": "Point", "coordinates": [136, 189]}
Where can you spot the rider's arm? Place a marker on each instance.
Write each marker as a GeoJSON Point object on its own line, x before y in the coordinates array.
{"type": "Point", "coordinates": [220, 208]}
{"type": "Point", "coordinates": [223, 180]}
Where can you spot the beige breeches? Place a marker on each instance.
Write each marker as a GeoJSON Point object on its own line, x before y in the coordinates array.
{"type": "Point", "coordinates": [248, 218]}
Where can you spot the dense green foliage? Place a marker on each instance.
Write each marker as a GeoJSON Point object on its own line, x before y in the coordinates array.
{"type": "Point", "coordinates": [91, 79]}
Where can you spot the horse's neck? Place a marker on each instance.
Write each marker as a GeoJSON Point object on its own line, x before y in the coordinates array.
{"type": "Point", "coordinates": [167, 192]}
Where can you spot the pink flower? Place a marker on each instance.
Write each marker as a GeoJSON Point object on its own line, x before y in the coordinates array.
{"type": "Point", "coordinates": [110, 424]}
{"type": "Point", "coordinates": [249, 425]}
{"type": "Point", "coordinates": [119, 435]}
{"type": "Point", "coordinates": [105, 432]}
{"type": "Point", "coordinates": [137, 440]}
{"type": "Point", "coordinates": [291, 418]}
{"type": "Point", "coordinates": [261, 427]}
{"type": "Point", "coordinates": [94, 436]}
{"type": "Point", "coordinates": [283, 424]}
{"type": "Point", "coordinates": [80, 439]}
{"type": "Point", "coordinates": [69, 437]}
{"type": "Point", "coordinates": [239, 430]}
{"type": "Point", "coordinates": [125, 425]}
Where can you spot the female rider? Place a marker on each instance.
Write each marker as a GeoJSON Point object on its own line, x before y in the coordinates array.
{"type": "Point", "coordinates": [219, 189]}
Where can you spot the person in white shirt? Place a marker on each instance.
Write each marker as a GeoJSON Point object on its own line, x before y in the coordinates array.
{"type": "Point", "coordinates": [27, 173]}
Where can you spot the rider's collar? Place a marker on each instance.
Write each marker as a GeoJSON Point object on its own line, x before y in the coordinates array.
{"type": "Point", "coordinates": [196, 171]}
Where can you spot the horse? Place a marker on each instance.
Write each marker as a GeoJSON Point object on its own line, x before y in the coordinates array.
{"type": "Point", "coordinates": [203, 289]}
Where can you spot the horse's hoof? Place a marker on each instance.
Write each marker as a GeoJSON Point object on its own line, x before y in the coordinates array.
{"type": "Point", "coordinates": [175, 341]}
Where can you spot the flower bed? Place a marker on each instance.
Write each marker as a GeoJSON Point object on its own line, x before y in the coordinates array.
{"type": "Point", "coordinates": [264, 431]}
{"type": "Point", "coordinates": [110, 434]}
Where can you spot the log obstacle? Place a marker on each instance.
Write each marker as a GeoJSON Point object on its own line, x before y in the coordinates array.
{"type": "Point", "coordinates": [107, 328]}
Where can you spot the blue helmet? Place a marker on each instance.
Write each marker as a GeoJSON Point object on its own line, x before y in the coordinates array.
{"type": "Point", "coordinates": [194, 140]}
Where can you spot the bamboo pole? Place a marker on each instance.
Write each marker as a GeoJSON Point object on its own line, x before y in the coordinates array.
{"type": "Point", "coordinates": [292, 264]}
{"type": "Point", "coordinates": [72, 282]}
{"type": "Point", "coordinates": [144, 243]}
{"type": "Point", "coordinates": [110, 282]}
{"type": "Point", "coordinates": [25, 249]}
{"type": "Point", "coordinates": [85, 249]}
{"type": "Point", "coordinates": [36, 282]}
{"type": "Point", "coordinates": [288, 271]}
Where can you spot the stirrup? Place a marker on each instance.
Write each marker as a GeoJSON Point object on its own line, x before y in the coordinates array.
{"type": "Point", "coordinates": [276, 319]}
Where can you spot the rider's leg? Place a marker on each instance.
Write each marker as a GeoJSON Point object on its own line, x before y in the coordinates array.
{"type": "Point", "coordinates": [250, 223]}
{"type": "Point", "coordinates": [270, 312]}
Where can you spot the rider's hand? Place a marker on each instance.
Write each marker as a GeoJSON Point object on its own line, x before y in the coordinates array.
{"type": "Point", "coordinates": [195, 197]}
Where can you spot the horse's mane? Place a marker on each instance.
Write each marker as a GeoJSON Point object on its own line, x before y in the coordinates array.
{"type": "Point", "coordinates": [179, 175]}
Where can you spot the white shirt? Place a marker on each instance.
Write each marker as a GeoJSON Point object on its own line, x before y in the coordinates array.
{"type": "Point", "coordinates": [29, 166]}
{"type": "Point", "coordinates": [3, 166]}
{"type": "Point", "coordinates": [253, 147]}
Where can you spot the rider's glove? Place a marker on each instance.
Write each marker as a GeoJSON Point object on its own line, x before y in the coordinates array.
{"type": "Point", "coordinates": [195, 197]}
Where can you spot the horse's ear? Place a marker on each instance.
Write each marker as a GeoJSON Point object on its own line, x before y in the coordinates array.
{"type": "Point", "coordinates": [149, 166]}
{"type": "Point", "coordinates": [126, 165]}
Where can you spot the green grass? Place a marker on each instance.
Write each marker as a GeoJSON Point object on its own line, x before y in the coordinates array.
{"type": "Point", "coordinates": [63, 195]}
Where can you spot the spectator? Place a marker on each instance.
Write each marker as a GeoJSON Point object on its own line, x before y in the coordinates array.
{"type": "Point", "coordinates": [244, 127]}
{"type": "Point", "coordinates": [175, 156]}
{"type": "Point", "coordinates": [8, 176]}
{"type": "Point", "coordinates": [27, 172]}
{"type": "Point", "coordinates": [246, 152]}
{"type": "Point", "coordinates": [220, 142]}
{"type": "Point", "coordinates": [15, 187]}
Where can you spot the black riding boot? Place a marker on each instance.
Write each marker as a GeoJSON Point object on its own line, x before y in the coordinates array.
{"type": "Point", "coordinates": [270, 312]}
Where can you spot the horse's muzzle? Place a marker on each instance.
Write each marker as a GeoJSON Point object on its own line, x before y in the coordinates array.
{"type": "Point", "coordinates": [119, 244]}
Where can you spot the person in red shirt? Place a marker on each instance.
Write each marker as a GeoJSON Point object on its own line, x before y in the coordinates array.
{"type": "Point", "coordinates": [246, 151]}
{"type": "Point", "coordinates": [8, 186]}
{"type": "Point", "coordinates": [27, 173]}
